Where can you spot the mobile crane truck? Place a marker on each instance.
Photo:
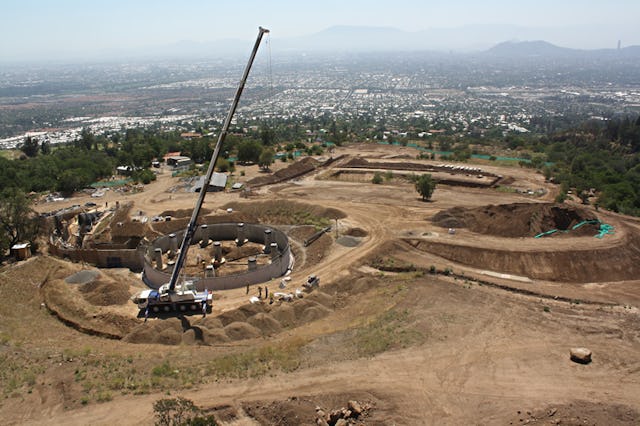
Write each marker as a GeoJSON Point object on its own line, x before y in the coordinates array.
{"type": "Point", "coordinates": [174, 296]}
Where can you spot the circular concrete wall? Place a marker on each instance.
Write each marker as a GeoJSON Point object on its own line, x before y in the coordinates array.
{"type": "Point", "coordinates": [280, 263]}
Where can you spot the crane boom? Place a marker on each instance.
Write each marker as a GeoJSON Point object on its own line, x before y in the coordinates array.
{"type": "Point", "coordinates": [188, 235]}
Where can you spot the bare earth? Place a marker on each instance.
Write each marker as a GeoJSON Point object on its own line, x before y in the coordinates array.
{"type": "Point", "coordinates": [487, 344]}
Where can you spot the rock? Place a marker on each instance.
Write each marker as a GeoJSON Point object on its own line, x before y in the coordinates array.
{"type": "Point", "coordinates": [320, 413]}
{"type": "Point", "coordinates": [334, 416]}
{"type": "Point", "coordinates": [321, 422]}
{"type": "Point", "coordinates": [355, 408]}
{"type": "Point", "coordinates": [580, 355]}
{"type": "Point", "coordinates": [342, 422]}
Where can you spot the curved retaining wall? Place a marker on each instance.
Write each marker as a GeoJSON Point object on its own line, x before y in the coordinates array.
{"type": "Point", "coordinates": [223, 232]}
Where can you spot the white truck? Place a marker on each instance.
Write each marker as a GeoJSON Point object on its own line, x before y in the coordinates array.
{"type": "Point", "coordinates": [184, 298]}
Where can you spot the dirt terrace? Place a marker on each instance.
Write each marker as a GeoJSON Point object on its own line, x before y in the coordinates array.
{"type": "Point", "coordinates": [457, 347]}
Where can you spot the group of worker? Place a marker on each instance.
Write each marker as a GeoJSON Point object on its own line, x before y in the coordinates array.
{"type": "Point", "coordinates": [267, 295]}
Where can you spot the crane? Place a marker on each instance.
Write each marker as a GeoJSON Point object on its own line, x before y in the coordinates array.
{"type": "Point", "coordinates": [182, 296]}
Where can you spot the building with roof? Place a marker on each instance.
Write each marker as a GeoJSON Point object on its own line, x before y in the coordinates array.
{"type": "Point", "coordinates": [179, 161]}
{"type": "Point", "coordinates": [217, 183]}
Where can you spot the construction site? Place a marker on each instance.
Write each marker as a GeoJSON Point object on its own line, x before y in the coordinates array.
{"type": "Point", "coordinates": [459, 310]}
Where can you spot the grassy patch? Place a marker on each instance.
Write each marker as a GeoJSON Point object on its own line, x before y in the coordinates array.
{"type": "Point", "coordinates": [17, 374]}
{"type": "Point", "coordinates": [390, 330]}
{"type": "Point", "coordinates": [258, 362]}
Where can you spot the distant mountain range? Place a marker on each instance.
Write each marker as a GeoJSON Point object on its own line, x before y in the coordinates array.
{"type": "Point", "coordinates": [470, 39]}
{"type": "Point", "coordinates": [476, 39]}
{"type": "Point", "coordinates": [541, 48]}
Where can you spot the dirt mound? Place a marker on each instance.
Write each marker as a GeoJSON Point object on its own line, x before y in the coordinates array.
{"type": "Point", "coordinates": [241, 331]}
{"type": "Point", "coordinates": [175, 331]}
{"type": "Point", "coordinates": [210, 323]}
{"type": "Point", "coordinates": [251, 309]}
{"type": "Point", "coordinates": [68, 306]}
{"type": "Point", "coordinates": [322, 298]}
{"type": "Point", "coordinates": [282, 212]}
{"type": "Point", "coordinates": [299, 306]}
{"type": "Point", "coordinates": [232, 316]}
{"type": "Point", "coordinates": [166, 332]}
{"type": "Point", "coordinates": [265, 323]}
{"type": "Point", "coordinates": [82, 277]}
{"type": "Point", "coordinates": [309, 310]}
{"type": "Point", "coordinates": [215, 336]}
{"type": "Point", "coordinates": [103, 292]}
{"type": "Point", "coordinates": [518, 220]}
{"type": "Point", "coordinates": [295, 170]}
{"type": "Point", "coordinates": [355, 232]}
{"type": "Point", "coordinates": [314, 313]}
{"type": "Point", "coordinates": [285, 315]}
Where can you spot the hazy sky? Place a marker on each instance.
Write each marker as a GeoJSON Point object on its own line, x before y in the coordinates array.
{"type": "Point", "coordinates": [32, 27]}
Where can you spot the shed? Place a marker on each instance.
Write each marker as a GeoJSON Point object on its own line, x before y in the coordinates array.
{"type": "Point", "coordinates": [178, 161]}
{"type": "Point", "coordinates": [21, 251]}
{"type": "Point", "coordinates": [217, 183]}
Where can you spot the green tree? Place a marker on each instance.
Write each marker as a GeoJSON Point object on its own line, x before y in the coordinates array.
{"type": "Point", "coordinates": [266, 158]}
{"type": "Point", "coordinates": [30, 147]}
{"type": "Point", "coordinates": [249, 151]}
{"type": "Point", "coordinates": [19, 223]}
{"type": "Point", "coordinates": [267, 136]}
{"type": "Point", "coordinates": [222, 165]}
{"type": "Point", "coordinates": [425, 185]}
{"type": "Point", "coordinates": [45, 148]}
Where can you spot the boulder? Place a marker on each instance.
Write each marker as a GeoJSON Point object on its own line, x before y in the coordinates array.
{"type": "Point", "coordinates": [334, 416]}
{"type": "Point", "coordinates": [320, 421]}
{"type": "Point", "coordinates": [580, 355]}
{"type": "Point", "coordinates": [355, 408]}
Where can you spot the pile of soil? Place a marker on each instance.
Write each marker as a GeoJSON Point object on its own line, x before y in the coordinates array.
{"type": "Point", "coordinates": [265, 323]}
{"type": "Point", "coordinates": [355, 232]}
{"type": "Point", "coordinates": [82, 277]}
{"type": "Point", "coordinates": [518, 220]}
{"type": "Point", "coordinates": [105, 292]}
{"type": "Point", "coordinates": [282, 212]}
{"type": "Point", "coordinates": [295, 170]}
{"type": "Point", "coordinates": [249, 321]}
{"type": "Point", "coordinates": [241, 331]}
{"type": "Point", "coordinates": [68, 306]}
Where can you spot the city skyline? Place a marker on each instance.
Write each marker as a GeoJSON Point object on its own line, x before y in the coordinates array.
{"type": "Point", "coordinates": [32, 30]}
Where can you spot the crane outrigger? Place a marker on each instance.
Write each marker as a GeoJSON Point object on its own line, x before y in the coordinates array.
{"type": "Point", "coordinates": [182, 296]}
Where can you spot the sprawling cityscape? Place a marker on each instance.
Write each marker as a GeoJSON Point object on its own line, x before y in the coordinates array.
{"type": "Point", "coordinates": [410, 93]}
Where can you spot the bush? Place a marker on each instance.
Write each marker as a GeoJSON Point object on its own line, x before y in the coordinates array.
{"type": "Point", "coordinates": [377, 178]}
{"type": "Point", "coordinates": [179, 411]}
